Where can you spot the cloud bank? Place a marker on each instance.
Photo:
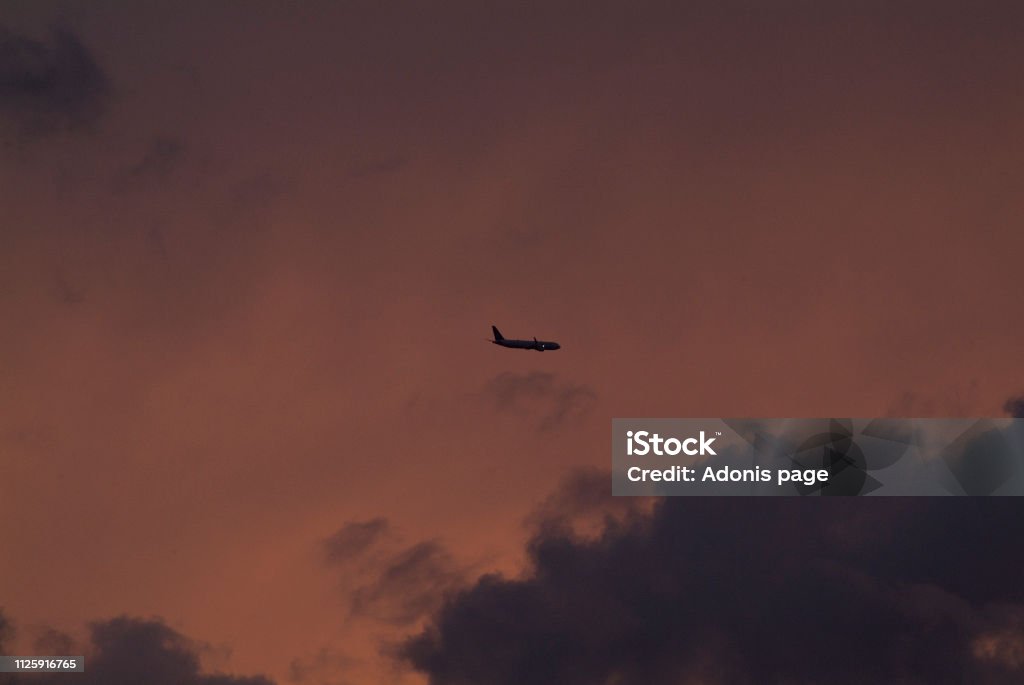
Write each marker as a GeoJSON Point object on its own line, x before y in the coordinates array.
{"type": "Point", "coordinates": [794, 591]}
{"type": "Point", "coordinates": [129, 651]}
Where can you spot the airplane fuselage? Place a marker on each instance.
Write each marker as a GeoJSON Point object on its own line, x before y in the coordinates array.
{"type": "Point", "coordinates": [539, 345]}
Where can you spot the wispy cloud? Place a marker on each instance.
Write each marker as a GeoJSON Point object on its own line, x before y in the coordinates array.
{"type": "Point", "coordinates": [541, 396]}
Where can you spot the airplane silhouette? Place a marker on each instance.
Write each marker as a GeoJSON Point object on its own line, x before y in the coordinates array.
{"type": "Point", "coordinates": [539, 345]}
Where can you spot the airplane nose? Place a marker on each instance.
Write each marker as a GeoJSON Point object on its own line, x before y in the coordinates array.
{"type": "Point", "coordinates": [553, 346]}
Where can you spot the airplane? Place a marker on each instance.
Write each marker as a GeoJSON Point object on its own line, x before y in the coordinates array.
{"type": "Point", "coordinates": [539, 345]}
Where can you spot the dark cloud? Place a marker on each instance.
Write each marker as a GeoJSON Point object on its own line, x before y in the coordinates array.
{"type": "Point", "coordinates": [354, 538]}
{"type": "Point", "coordinates": [540, 395]}
{"type": "Point", "coordinates": [787, 590]}
{"type": "Point", "coordinates": [129, 651]}
{"type": "Point", "coordinates": [409, 584]}
{"type": "Point", "coordinates": [1014, 407]}
{"type": "Point", "coordinates": [50, 86]}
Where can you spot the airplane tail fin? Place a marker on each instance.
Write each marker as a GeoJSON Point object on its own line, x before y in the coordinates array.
{"type": "Point", "coordinates": [497, 333]}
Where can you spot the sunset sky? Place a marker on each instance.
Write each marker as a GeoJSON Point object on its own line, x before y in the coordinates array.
{"type": "Point", "coordinates": [250, 254]}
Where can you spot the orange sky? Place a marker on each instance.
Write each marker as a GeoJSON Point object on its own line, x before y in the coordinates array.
{"type": "Point", "coordinates": [249, 258]}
